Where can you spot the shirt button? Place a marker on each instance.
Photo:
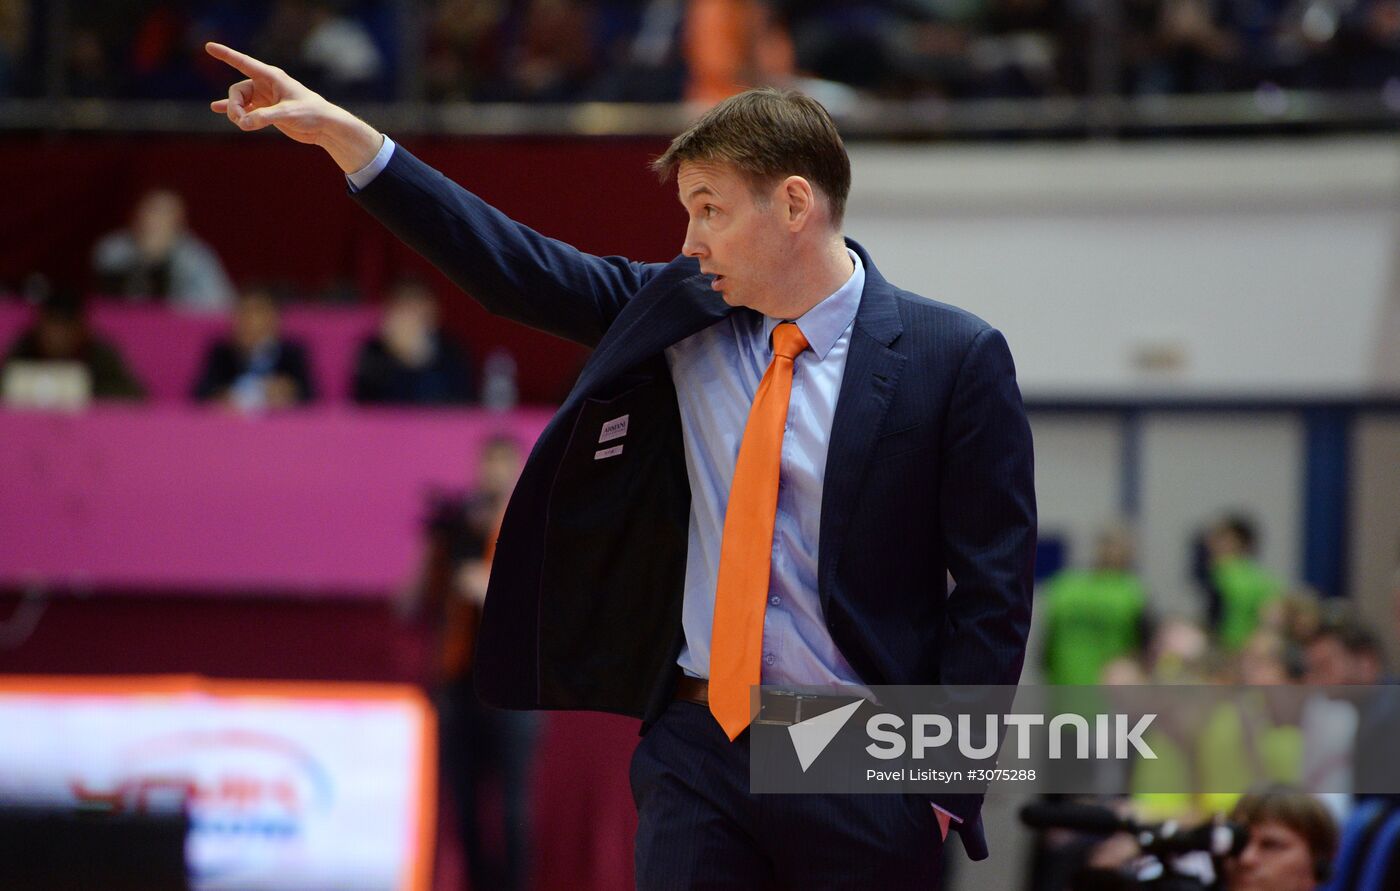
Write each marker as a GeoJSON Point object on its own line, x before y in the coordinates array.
{"type": "Point", "coordinates": [776, 600]}
{"type": "Point", "coordinates": [770, 659]}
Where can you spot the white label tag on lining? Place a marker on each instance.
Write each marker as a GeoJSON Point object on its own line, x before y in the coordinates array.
{"type": "Point", "coordinates": [607, 453]}
{"type": "Point", "coordinates": [614, 429]}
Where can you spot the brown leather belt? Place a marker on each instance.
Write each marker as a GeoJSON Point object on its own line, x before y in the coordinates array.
{"type": "Point", "coordinates": [696, 690]}
{"type": "Point", "coordinates": [778, 707]}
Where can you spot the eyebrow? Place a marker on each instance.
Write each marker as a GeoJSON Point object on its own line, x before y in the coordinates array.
{"type": "Point", "coordinates": [698, 190]}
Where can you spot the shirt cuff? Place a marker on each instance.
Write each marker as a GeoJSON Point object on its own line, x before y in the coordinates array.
{"type": "Point", "coordinates": [366, 174]}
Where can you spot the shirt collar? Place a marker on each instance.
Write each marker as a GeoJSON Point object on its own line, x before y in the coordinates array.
{"type": "Point", "coordinates": [824, 323]}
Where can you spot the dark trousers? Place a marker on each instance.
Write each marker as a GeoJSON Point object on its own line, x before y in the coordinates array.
{"type": "Point", "coordinates": [699, 826]}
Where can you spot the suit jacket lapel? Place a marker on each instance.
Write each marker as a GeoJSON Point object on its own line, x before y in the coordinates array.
{"type": "Point", "coordinates": [872, 372]}
{"type": "Point", "coordinates": [674, 306]}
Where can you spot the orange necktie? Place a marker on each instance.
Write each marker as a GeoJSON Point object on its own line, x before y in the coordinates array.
{"type": "Point", "coordinates": [746, 554]}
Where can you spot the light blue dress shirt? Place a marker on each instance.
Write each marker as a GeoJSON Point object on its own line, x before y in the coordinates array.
{"type": "Point", "coordinates": [717, 372]}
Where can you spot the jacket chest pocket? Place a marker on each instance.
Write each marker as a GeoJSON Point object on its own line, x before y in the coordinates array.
{"type": "Point", "coordinates": [614, 433]}
{"type": "Point", "coordinates": [625, 458]}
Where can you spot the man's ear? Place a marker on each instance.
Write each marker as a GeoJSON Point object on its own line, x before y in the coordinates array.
{"type": "Point", "coordinates": [799, 200]}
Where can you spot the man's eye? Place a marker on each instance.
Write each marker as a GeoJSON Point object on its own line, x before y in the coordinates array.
{"type": "Point", "coordinates": [710, 210]}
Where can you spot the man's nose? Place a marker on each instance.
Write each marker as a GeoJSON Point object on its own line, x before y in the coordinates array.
{"type": "Point", "coordinates": [693, 247]}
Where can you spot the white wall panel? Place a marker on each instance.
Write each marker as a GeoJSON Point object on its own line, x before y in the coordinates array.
{"type": "Point", "coordinates": [1195, 467]}
{"type": "Point", "coordinates": [1261, 267]}
{"type": "Point", "coordinates": [1077, 476]}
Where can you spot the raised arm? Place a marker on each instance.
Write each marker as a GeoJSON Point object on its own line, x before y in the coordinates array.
{"type": "Point", "coordinates": [512, 270]}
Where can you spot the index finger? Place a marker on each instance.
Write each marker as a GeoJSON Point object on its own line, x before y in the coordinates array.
{"type": "Point", "coordinates": [244, 63]}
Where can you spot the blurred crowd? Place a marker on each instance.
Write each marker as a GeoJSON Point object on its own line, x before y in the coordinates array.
{"type": "Point", "coordinates": [1098, 625]}
{"type": "Point", "coordinates": [668, 50]}
{"type": "Point", "coordinates": [1311, 704]}
{"type": "Point", "coordinates": [410, 360]}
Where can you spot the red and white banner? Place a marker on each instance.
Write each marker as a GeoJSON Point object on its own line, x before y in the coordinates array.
{"type": "Point", "coordinates": [288, 785]}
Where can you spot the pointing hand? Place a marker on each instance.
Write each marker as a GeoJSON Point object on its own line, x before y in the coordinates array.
{"type": "Point", "coordinates": [271, 97]}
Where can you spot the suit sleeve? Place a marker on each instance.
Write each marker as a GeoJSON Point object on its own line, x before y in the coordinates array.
{"type": "Point", "coordinates": [987, 513]}
{"type": "Point", "coordinates": [987, 509]}
{"type": "Point", "coordinates": [509, 268]}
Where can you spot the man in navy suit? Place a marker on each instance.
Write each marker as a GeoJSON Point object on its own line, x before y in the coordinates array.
{"type": "Point", "coordinates": [905, 458]}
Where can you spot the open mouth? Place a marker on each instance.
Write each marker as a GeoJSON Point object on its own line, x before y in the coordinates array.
{"type": "Point", "coordinates": [715, 282]}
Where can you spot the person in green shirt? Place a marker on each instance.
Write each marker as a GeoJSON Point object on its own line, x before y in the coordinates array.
{"type": "Point", "coordinates": [1095, 615]}
{"type": "Point", "coordinates": [1242, 586]}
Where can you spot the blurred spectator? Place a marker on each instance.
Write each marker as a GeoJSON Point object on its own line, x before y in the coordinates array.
{"type": "Point", "coordinates": [164, 52]}
{"type": "Point", "coordinates": [61, 335]}
{"type": "Point", "coordinates": [1395, 597]}
{"type": "Point", "coordinates": [89, 73]}
{"type": "Point", "coordinates": [721, 43]}
{"type": "Point", "coordinates": [1264, 660]}
{"type": "Point", "coordinates": [255, 368]}
{"type": "Point", "coordinates": [1331, 721]}
{"type": "Point", "coordinates": [1237, 583]}
{"type": "Point", "coordinates": [325, 46]}
{"type": "Point", "coordinates": [283, 32]}
{"type": "Point", "coordinates": [14, 43]}
{"type": "Point", "coordinates": [465, 39]}
{"type": "Point", "coordinates": [411, 361]}
{"type": "Point", "coordinates": [1177, 651]}
{"type": "Point", "coordinates": [1297, 615]}
{"type": "Point", "coordinates": [1368, 43]}
{"type": "Point", "coordinates": [1348, 654]}
{"type": "Point", "coordinates": [1094, 615]}
{"type": "Point", "coordinates": [339, 53]}
{"type": "Point", "coordinates": [640, 51]}
{"type": "Point", "coordinates": [480, 745]}
{"type": "Point", "coordinates": [157, 257]}
{"type": "Point", "coordinates": [555, 59]}
{"type": "Point", "coordinates": [1292, 841]}
{"type": "Point", "coordinates": [1344, 653]}
{"type": "Point", "coordinates": [904, 48]}
{"type": "Point", "coordinates": [1180, 46]}
{"type": "Point", "coordinates": [1254, 737]}
{"type": "Point", "coordinates": [1025, 48]}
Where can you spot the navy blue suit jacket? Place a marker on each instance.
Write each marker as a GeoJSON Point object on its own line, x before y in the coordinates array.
{"type": "Point", "coordinates": [928, 473]}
